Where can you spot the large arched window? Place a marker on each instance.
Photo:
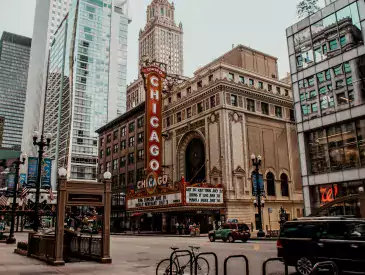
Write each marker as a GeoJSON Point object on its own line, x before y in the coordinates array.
{"type": "Point", "coordinates": [284, 185]}
{"type": "Point", "coordinates": [270, 184]}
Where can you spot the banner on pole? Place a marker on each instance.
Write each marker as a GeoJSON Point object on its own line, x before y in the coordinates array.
{"type": "Point", "coordinates": [46, 173]}
{"type": "Point", "coordinates": [32, 172]}
{"type": "Point", "coordinates": [10, 185]}
{"type": "Point", "coordinates": [22, 180]}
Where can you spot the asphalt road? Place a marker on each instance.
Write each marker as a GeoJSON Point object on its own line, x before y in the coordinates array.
{"type": "Point", "coordinates": [140, 255]}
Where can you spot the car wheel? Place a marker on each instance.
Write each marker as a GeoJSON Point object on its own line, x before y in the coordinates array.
{"type": "Point", "coordinates": [211, 238]}
{"type": "Point", "coordinates": [224, 240]}
{"type": "Point", "coordinates": [230, 239]}
{"type": "Point", "coordinates": [304, 266]}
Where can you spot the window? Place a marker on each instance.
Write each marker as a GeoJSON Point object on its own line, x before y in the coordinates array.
{"type": "Point", "coordinates": [130, 158]}
{"type": "Point", "coordinates": [122, 161]}
{"type": "Point", "coordinates": [333, 44]}
{"type": "Point", "coordinates": [140, 175]}
{"type": "Point", "coordinates": [170, 99]}
{"type": "Point", "coordinates": [122, 180]}
{"type": "Point", "coordinates": [231, 76]}
{"type": "Point", "coordinates": [101, 153]}
{"type": "Point", "coordinates": [278, 112]}
{"type": "Point", "coordinates": [299, 61]}
{"type": "Point", "coordinates": [264, 108]}
{"type": "Point", "coordinates": [341, 99]}
{"type": "Point", "coordinates": [115, 134]}
{"type": "Point", "coordinates": [242, 79]}
{"type": "Point", "coordinates": [131, 127]}
{"type": "Point", "coordinates": [314, 107]}
{"type": "Point", "coordinates": [178, 95]}
{"type": "Point", "coordinates": [212, 101]}
{"type": "Point", "coordinates": [234, 100]}
{"type": "Point", "coordinates": [311, 81]}
{"type": "Point", "coordinates": [140, 155]}
{"type": "Point", "coordinates": [284, 185]}
{"type": "Point", "coordinates": [115, 148]}
{"type": "Point", "coordinates": [131, 141]}
{"type": "Point", "coordinates": [123, 132]}
{"type": "Point", "coordinates": [108, 151]}
{"type": "Point", "coordinates": [115, 164]}
{"type": "Point", "coordinates": [261, 85]}
{"type": "Point", "coordinates": [200, 84]}
{"type": "Point", "coordinates": [352, 98]}
{"type": "Point", "coordinates": [168, 122]}
{"type": "Point", "coordinates": [320, 77]}
{"type": "Point", "coordinates": [306, 109]}
{"type": "Point", "coordinates": [323, 90]}
{"type": "Point", "coordinates": [188, 90]}
{"type": "Point", "coordinates": [251, 82]}
{"type": "Point", "coordinates": [328, 75]}
{"type": "Point", "coordinates": [349, 80]}
{"type": "Point", "coordinates": [325, 49]}
{"type": "Point", "coordinates": [270, 184]}
{"type": "Point", "coordinates": [211, 78]}
{"type": "Point", "coordinates": [178, 117]}
{"type": "Point", "coordinates": [251, 105]}
{"type": "Point", "coordinates": [337, 70]}
{"type": "Point", "coordinates": [131, 177]}
{"type": "Point", "coordinates": [339, 84]}
{"type": "Point", "coordinates": [286, 92]}
{"type": "Point", "coordinates": [347, 67]}
{"type": "Point", "coordinates": [109, 138]}
{"type": "Point", "coordinates": [292, 117]}
{"type": "Point", "coordinates": [140, 122]}
{"type": "Point", "coordinates": [343, 41]}
{"type": "Point", "coordinates": [313, 94]}
{"type": "Point", "coordinates": [278, 90]}
{"type": "Point", "coordinates": [188, 112]}
{"type": "Point", "coordinates": [122, 145]}
{"type": "Point", "coordinates": [108, 166]}
{"type": "Point", "coordinates": [102, 142]}
{"type": "Point", "coordinates": [269, 87]}
{"type": "Point", "coordinates": [302, 97]}
{"type": "Point", "coordinates": [140, 137]}
{"type": "Point", "coordinates": [200, 107]}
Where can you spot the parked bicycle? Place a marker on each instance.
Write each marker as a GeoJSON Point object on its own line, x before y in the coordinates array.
{"type": "Point", "coordinates": [163, 268]}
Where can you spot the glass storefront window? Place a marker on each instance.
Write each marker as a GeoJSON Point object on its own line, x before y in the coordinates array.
{"type": "Point", "coordinates": [360, 129]}
{"type": "Point", "coordinates": [318, 151]}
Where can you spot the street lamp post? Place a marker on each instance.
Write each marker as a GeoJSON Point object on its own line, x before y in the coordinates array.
{"type": "Point", "coordinates": [256, 162]}
{"type": "Point", "coordinates": [20, 161]}
{"type": "Point", "coordinates": [41, 143]}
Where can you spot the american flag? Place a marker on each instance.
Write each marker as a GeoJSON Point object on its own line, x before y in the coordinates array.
{"type": "Point", "coordinates": [51, 196]}
{"type": "Point", "coordinates": [3, 200]}
{"type": "Point", "coordinates": [24, 192]}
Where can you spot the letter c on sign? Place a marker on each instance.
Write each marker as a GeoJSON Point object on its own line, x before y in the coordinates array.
{"type": "Point", "coordinates": [154, 122]}
{"type": "Point", "coordinates": [154, 81]}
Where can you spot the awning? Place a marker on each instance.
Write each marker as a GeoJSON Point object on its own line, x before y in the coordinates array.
{"type": "Point", "coordinates": [185, 208]}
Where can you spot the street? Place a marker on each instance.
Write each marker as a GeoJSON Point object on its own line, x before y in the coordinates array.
{"type": "Point", "coordinates": [140, 255]}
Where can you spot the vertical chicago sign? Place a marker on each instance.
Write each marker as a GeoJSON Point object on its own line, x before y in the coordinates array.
{"type": "Point", "coordinates": [153, 78]}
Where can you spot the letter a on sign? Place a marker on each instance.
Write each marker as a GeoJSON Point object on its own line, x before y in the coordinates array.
{"type": "Point", "coordinates": [153, 77]}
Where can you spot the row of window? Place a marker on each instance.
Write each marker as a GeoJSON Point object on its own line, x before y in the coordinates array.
{"type": "Point", "coordinates": [123, 160]}
{"type": "Point", "coordinates": [129, 177]}
{"type": "Point", "coordinates": [271, 186]}
{"type": "Point", "coordinates": [123, 144]}
{"type": "Point", "coordinates": [123, 132]}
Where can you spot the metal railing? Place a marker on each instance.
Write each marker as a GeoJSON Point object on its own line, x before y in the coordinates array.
{"type": "Point", "coordinates": [42, 246]}
{"type": "Point", "coordinates": [86, 246]}
{"type": "Point", "coordinates": [247, 266]}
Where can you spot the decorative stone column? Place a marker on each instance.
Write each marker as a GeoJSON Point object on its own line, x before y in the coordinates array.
{"type": "Point", "coordinates": [105, 248]}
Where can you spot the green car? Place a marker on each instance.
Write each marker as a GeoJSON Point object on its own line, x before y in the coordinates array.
{"type": "Point", "coordinates": [230, 232]}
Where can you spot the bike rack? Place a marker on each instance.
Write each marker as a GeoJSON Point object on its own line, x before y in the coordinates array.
{"type": "Point", "coordinates": [182, 251]}
{"type": "Point", "coordinates": [237, 256]}
{"type": "Point", "coordinates": [322, 264]}
{"type": "Point", "coordinates": [206, 253]}
{"type": "Point", "coordinates": [274, 260]}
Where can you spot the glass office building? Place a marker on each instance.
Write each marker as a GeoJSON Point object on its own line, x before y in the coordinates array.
{"type": "Point", "coordinates": [14, 63]}
{"type": "Point", "coordinates": [327, 63]}
{"type": "Point", "coordinates": [86, 82]}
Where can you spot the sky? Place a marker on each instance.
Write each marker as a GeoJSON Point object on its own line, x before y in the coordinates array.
{"type": "Point", "coordinates": [210, 27]}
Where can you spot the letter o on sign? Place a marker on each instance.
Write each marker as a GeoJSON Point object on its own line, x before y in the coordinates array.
{"type": "Point", "coordinates": [154, 165]}
{"type": "Point", "coordinates": [154, 81]}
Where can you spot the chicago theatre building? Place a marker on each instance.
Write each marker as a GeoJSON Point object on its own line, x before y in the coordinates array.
{"type": "Point", "coordinates": [212, 123]}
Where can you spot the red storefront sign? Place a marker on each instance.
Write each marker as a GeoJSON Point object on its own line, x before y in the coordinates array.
{"type": "Point", "coordinates": [153, 77]}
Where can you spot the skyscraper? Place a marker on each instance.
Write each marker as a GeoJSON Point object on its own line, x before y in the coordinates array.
{"type": "Point", "coordinates": [48, 16]}
{"type": "Point", "coordinates": [14, 63]}
{"type": "Point", "coordinates": [327, 64]}
{"type": "Point", "coordinates": [160, 40]}
{"type": "Point", "coordinates": [86, 81]}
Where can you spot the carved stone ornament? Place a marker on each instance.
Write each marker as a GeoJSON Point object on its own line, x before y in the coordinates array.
{"type": "Point", "coordinates": [239, 170]}
{"type": "Point", "coordinates": [235, 117]}
{"type": "Point", "coordinates": [215, 172]}
{"type": "Point", "coordinates": [213, 118]}
{"type": "Point", "coordinates": [167, 135]}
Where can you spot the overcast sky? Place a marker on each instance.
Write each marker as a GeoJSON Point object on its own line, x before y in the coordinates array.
{"type": "Point", "coordinates": [210, 27]}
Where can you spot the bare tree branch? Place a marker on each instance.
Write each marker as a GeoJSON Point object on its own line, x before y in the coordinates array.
{"type": "Point", "coordinates": [307, 7]}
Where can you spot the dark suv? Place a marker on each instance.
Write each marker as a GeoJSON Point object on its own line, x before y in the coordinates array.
{"type": "Point", "coordinates": [306, 241]}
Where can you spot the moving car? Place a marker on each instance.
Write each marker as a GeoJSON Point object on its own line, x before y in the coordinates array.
{"type": "Point", "coordinates": [306, 241]}
{"type": "Point", "coordinates": [230, 232]}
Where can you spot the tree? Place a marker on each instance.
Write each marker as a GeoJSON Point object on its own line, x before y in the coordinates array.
{"type": "Point", "coordinates": [307, 7]}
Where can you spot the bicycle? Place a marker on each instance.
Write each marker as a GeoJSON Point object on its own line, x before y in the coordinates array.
{"type": "Point", "coordinates": [163, 267]}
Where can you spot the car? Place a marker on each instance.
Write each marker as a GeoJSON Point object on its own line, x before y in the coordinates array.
{"type": "Point", "coordinates": [304, 242]}
{"type": "Point", "coordinates": [230, 232]}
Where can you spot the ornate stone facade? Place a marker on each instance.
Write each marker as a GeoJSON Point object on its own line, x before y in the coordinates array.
{"type": "Point", "coordinates": [236, 112]}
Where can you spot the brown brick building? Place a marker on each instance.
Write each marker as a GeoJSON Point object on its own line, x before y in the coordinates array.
{"type": "Point", "coordinates": [121, 152]}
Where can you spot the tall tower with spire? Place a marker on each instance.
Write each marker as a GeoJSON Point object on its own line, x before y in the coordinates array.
{"type": "Point", "coordinates": [162, 39]}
